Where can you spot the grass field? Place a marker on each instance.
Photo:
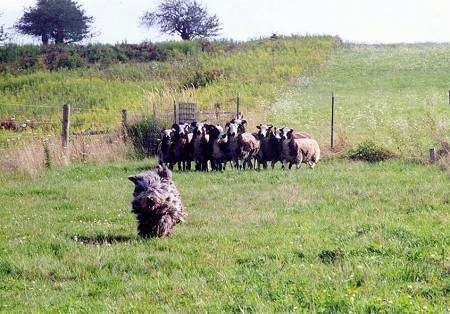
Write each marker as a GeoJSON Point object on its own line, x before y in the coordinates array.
{"type": "Point", "coordinates": [394, 95]}
{"type": "Point", "coordinates": [344, 237]}
{"type": "Point", "coordinates": [348, 236]}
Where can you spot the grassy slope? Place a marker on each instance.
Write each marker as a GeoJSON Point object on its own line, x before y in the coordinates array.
{"type": "Point", "coordinates": [259, 70]}
{"type": "Point", "coordinates": [396, 95]}
{"type": "Point", "coordinates": [252, 241]}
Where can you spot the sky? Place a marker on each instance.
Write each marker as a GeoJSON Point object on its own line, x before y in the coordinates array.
{"type": "Point", "coordinates": [362, 21]}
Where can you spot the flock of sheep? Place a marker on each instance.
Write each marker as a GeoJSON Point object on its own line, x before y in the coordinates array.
{"type": "Point", "coordinates": [210, 147]}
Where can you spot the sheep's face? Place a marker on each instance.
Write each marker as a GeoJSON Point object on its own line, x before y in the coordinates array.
{"type": "Point", "coordinates": [198, 128]}
{"type": "Point", "coordinates": [182, 129]}
{"type": "Point", "coordinates": [215, 131]}
{"type": "Point", "coordinates": [235, 127]}
{"type": "Point", "coordinates": [286, 133]}
{"type": "Point", "coordinates": [167, 135]}
{"type": "Point", "coordinates": [264, 130]}
{"type": "Point", "coordinates": [276, 134]}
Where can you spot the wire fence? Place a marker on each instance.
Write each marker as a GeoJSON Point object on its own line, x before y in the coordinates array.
{"type": "Point", "coordinates": [20, 123]}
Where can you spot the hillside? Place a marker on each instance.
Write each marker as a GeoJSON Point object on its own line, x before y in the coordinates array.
{"type": "Point", "coordinates": [258, 69]}
{"type": "Point", "coordinates": [395, 95]}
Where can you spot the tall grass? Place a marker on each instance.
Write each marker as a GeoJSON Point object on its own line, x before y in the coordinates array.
{"type": "Point", "coordinates": [34, 154]}
{"type": "Point", "coordinates": [259, 70]}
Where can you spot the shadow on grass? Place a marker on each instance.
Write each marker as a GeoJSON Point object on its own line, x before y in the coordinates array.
{"type": "Point", "coordinates": [102, 239]}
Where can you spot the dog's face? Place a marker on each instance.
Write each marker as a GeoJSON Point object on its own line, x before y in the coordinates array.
{"type": "Point", "coordinates": [146, 188]}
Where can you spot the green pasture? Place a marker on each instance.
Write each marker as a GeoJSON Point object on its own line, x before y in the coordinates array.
{"type": "Point", "coordinates": [347, 236]}
{"type": "Point", "coordinates": [394, 95]}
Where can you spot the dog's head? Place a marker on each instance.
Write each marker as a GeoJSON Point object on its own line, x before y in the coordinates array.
{"type": "Point", "coordinates": [148, 190]}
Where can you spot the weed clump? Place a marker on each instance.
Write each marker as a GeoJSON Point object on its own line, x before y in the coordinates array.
{"type": "Point", "coordinates": [369, 151]}
{"type": "Point", "coordinates": [144, 134]}
{"type": "Point", "coordinates": [330, 256]}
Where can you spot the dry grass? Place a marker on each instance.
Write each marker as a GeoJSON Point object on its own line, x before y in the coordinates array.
{"type": "Point", "coordinates": [36, 154]}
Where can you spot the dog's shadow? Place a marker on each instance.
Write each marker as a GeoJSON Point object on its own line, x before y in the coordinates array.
{"type": "Point", "coordinates": [102, 239]}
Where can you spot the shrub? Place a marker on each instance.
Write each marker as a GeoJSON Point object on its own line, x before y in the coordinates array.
{"type": "Point", "coordinates": [144, 134]}
{"type": "Point", "coordinates": [203, 78]}
{"type": "Point", "coordinates": [98, 53]}
{"type": "Point", "coordinates": [143, 52]}
{"type": "Point", "coordinates": [10, 53]}
{"type": "Point", "coordinates": [178, 49]}
{"type": "Point", "coordinates": [57, 57]}
{"type": "Point", "coordinates": [369, 151]}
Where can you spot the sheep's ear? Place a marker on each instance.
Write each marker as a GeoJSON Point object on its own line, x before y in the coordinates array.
{"type": "Point", "coordinates": [244, 122]}
{"type": "Point", "coordinates": [227, 125]}
{"type": "Point", "coordinates": [132, 179]}
{"type": "Point", "coordinates": [258, 127]}
{"type": "Point", "coordinates": [270, 126]}
{"type": "Point", "coordinates": [164, 172]}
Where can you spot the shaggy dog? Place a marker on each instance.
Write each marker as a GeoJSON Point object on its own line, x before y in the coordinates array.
{"type": "Point", "coordinates": [156, 203]}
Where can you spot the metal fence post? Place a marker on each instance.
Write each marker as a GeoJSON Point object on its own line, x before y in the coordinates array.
{"type": "Point", "coordinates": [332, 121]}
{"type": "Point", "coordinates": [174, 112]}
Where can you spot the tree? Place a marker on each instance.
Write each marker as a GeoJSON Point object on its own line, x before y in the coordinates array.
{"type": "Point", "coordinates": [183, 17]}
{"type": "Point", "coordinates": [3, 34]}
{"type": "Point", "coordinates": [62, 21]}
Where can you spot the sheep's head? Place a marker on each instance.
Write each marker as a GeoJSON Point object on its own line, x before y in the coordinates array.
{"type": "Point", "coordinates": [198, 127]}
{"type": "Point", "coordinates": [275, 133]}
{"type": "Point", "coordinates": [181, 130]}
{"type": "Point", "coordinates": [235, 127]}
{"type": "Point", "coordinates": [286, 133]}
{"type": "Point", "coordinates": [167, 135]}
{"type": "Point", "coordinates": [215, 131]}
{"type": "Point", "coordinates": [264, 130]}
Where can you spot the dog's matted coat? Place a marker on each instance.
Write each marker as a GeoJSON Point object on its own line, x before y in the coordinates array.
{"type": "Point", "coordinates": [156, 203]}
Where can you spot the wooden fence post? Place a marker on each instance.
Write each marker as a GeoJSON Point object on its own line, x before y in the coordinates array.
{"type": "Point", "coordinates": [65, 126]}
{"type": "Point", "coordinates": [238, 103]}
{"type": "Point", "coordinates": [332, 121]}
{"type": "Point", "coordinates": [124, 124]}
{"type": "Point", "coordinates": [217, 113]}
{"type": "Point", "coordinates": [432, 154]}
